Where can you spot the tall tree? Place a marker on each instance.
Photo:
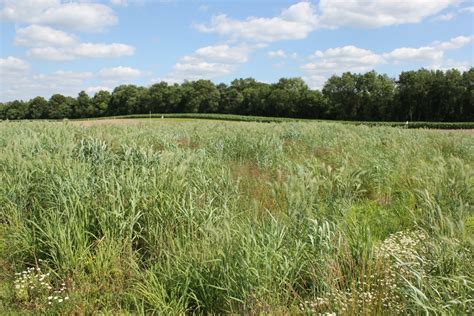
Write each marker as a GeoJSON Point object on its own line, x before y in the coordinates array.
{"type": "Point", "coordinates": [83, 107]}
{"type": "Point", "coordinates": [200, 96]}
{"type": "Point", "coordinates": [59, 107]}
{"type": "Point", "coordinates": [37, 108]}
{"type": "Point", "coordinates": [100, 103]}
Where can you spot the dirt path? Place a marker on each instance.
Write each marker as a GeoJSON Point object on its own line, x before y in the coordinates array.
{"type": "Point", "coordinates": [112, 122]}
{"type": "Point", "coordinates": [135, 122]}
{"type": "Point", "coordinates": [465, 131]}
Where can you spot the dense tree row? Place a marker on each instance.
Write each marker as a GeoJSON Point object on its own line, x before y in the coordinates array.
{"type": "Point", "coordinates": [421, 95]}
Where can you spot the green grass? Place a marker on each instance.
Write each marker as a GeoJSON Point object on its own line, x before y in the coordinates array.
{"type": "Point", "coordinates": [242, 217]}
{"type": "Point", "coordinates": [266, 119]}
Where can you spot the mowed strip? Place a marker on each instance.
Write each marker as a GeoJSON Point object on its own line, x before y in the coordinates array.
{"type": "Point", "coordinates": [135, 122]}
{"type": "Point", "coordinates": [132, 122]}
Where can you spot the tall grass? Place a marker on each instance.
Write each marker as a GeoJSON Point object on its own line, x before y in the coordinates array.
{"type": "Point", "coordinates": [237, 217]}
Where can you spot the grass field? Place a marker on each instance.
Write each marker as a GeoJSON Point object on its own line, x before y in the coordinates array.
{"type": "Point", "coordinates": [235, 217]}
{"type": "Point", "coordinates": [267, 119]}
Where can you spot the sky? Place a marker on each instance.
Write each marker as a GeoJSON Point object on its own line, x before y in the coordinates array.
{"type": "Point", "coordinates": [59, 46]}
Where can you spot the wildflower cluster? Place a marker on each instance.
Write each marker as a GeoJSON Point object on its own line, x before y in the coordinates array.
{"type": "Point", "coordinates": [31, 284]}
{"type": "Point", "coordinates": [58, 296]}
{"type": "Point", "coordinates": [33, 287]}
{"type": "Point", "coordinates": [377, 290]}
{"type": "Point", "coordinates": [404, 248]}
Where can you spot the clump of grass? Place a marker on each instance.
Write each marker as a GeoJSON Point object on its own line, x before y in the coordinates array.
{"type": "Point", "coordinates": [214, 217]}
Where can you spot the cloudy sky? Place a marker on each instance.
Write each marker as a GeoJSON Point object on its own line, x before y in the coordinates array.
{"type": "Point", "coordinates": [58, 46]}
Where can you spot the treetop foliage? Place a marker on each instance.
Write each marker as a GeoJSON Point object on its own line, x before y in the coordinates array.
{"type": "Point", "coordinates": [421, 95]}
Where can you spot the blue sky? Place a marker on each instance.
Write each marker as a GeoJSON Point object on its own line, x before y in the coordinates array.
{"type": "Point", "coordinates": [54, 46]}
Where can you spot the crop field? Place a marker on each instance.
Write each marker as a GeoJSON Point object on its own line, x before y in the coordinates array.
{"type": "Point", "coordinates": [235, 217]}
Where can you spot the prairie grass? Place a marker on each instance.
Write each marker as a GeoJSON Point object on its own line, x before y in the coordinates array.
{"type": "Point", "coordinates": [235, 217]}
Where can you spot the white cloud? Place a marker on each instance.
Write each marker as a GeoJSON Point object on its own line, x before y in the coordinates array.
{"type": "Point", "coordinates": [315, 81]}
{"type": "Point", "coordinates": [198, 70]}
{"type": "Point", "coordinates": [82, 50]}
{"type": "Point", "coordinates": [338, 60]}
{"type": "Point", "coordinates": [63, 78]}
{"type": "Point", "coordinates": [300, 19]}
{"type": "Point", "coordinates": [104, 50]}
{"type": "Point", "coordinates": [344, 58]}
{"type": "Point", "coordinates": [55, 45]}
{"type": "Point", "coordinates": [414, 54]}
{"type": "Point", "coordinates": [295, 22]}
{"type": "Point", "coordinates": [454, 43]}
{"type": "Point", "coordinates": [81, 16]}
{"type": "Point", "coordinates": [445, 17]}
{"type": "Point", "coordinates": [95, 89]}
{"type": "Point", "coordinates": [223, 54]}
{"type": "Point", "coordinates": [467, 9]}
{"type": "Point", "coordinates": [450, 64]}
{"type": "Point", "coordinates": [362, 13]}
{"type": "Point", "coordinates": [210, 62]}
{"type": "Point", "coordinates": [120, 72]}
{"type": "Point", "coordinates": [119, 2]}
{"type": "Point", "coordinates": [350, 58]}
{"type": "Point", "coordinates": [40, 36]}
{"type": "Point", "coordinates": [277, 54]}
{"type": "Point", "coordinates": [12, 67]}
{"type": "Point", "coordinates": [31, 85]}
{"type": "Point", "coordinates": [433, 53]}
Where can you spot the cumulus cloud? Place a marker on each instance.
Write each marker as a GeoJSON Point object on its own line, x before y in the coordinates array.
{"type": "Point", "coordinates": [449, 64]}
{"type": "Point", "coordinates": [467, 9]}
{"type": "Point", "coordinates": [222, 54]}
{"type": "Point", "coordinates": [334, 60]}
{"type": "Point", "coordinates": [209, 62]}
{"type": "Point", "coordinates": [95, 89]}
{"type": "Point", "coordinates": [40, 36]}
{"type": "Point", "coordinates": [120, 72]}
{"type": "Point", "coordinates": [315, 81]}
{"type": "Point", "coordinates": [300, 19]}
{"type": "Point", "coordinates": [82, 50]}
{"type": "Point", "coordinates": [445, 17]}
{"type": "Point", "coordinates": [51, 44]}
{"type": "Point", "coordinates": [80, 16]}
{"type": "Point", "coordinates": [119, 2]}
{"type": "Point", "coordinates": [294, 22]}
{"type": "Point", "coordinates": [454, 43]}
{"type": "Point", "coordinates": [19, 82]}
{"type": "Point", "coordinates": [351, 58]}
{"type": "Point", "coordinates": [361, 13]}
{"type": "Point", "coordinates": [414, 54]}
{"type": "Point", "coordinates": [12, 67]}
{"type": "Point", "coordinates": [433, 52]}
{"type": "Point", "coordinates": [277, 54]}
{"type": "Point", "coordinates": [30, 85]}
{"type": "Point", "coordinates": [198, 70]}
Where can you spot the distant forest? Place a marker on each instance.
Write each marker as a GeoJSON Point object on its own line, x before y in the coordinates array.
{"type": "Point", "coordinates": [421, 95]}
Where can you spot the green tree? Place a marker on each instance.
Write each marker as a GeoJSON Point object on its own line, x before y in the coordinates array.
{"type": "Point", "coordinates": [343, 97]}
{"type": "Point", "coordinates": [84, 107]}
{"type": "Point", "coordinates": [376, 94]}
{"type": "Point", "coordinates": [287, 97]}
{"type": "Point", "coordinates": [231, 99]}
{"type": "Point", "coordinates": [16, 110]}
{"type": "Point", "coordinates": [154, 99]}
{"type": "Point", "coordinates": [200, 96]}
{"type": "Point", "coordinates": [59, 107]}
{"type": "Point", "coordinates": [125, 100]}
{"type": "Point", "coordinates": [37, 108]}
{"type": "Point", "coordinates": [465, 110]}
{"type": "Point", "coordinates": [100, 103]}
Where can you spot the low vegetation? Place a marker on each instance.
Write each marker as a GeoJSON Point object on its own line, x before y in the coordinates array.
{"type": "Point", "coordinates": [235, 217]}
{"type": "Point", "coordinates": [267, 119]}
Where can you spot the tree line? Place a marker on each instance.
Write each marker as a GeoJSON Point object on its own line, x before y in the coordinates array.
{"type": "Point", "coordinates": [421, 95]}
